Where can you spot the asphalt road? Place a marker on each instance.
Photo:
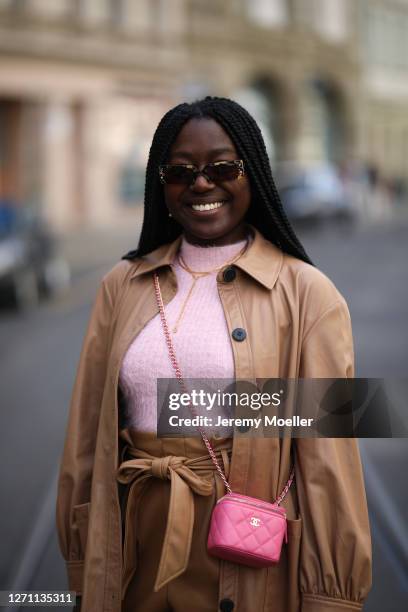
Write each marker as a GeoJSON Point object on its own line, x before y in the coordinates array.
{"type": "Point", "coordinates": [39, 354]}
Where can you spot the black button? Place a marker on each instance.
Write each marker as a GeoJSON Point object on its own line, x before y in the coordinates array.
{"type": "Point", "coordinates": [226, 605]}
{"type": "Point", "coordinates": [229, 274]}
{"type": "Point", "coordinates": [239, 334]}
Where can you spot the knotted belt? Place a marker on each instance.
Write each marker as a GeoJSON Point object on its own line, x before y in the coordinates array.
{"type": "Point", "coordinates": [183, 474]}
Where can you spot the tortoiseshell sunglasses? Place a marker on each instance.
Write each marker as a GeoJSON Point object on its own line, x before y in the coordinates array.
{"type": "Point", "coordinates": [186, 174]}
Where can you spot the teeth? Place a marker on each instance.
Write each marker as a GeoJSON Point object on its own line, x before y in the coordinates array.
{"type": "Point", "coordinates": [211, 206]}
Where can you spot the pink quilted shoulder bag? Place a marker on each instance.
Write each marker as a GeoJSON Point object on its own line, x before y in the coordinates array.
{"type": "Point", "coordinates": [243, 529]}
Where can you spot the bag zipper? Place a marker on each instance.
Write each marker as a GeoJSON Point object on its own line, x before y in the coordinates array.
{"type": "Point", "coordinates": [249, 503]}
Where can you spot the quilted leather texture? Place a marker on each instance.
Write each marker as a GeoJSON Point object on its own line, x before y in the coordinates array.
{"type": "Point", "coordinates": [247, 534]}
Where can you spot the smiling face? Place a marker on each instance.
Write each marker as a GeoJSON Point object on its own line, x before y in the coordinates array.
{"type": "Point", "coordinates": [201, 142]}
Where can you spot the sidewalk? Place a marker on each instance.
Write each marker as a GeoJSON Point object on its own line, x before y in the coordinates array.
{"type": "Point", "coordinates": [87, 249]}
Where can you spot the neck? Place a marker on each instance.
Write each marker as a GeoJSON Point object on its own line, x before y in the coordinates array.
{"type": "Point", "coordinates": [237, 235]}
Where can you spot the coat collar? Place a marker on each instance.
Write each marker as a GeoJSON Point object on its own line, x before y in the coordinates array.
{"type": "Point", "coordinates": [263, 260]}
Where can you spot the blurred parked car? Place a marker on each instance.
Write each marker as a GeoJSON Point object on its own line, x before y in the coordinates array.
{"type": "Point", "coordinates": [30, 265]}
{"type": "Point", "coordinates": [314, 193]}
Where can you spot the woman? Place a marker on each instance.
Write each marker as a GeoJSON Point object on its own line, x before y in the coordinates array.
{"type": "Point", "coordinates": [242, 300]}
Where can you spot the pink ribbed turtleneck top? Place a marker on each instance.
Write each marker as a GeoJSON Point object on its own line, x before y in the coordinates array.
{"type": "Point", "coordinates": [202, 342]}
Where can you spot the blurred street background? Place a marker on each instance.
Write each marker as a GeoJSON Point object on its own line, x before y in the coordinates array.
{"type": "Point", "coordinates": [83, 84]}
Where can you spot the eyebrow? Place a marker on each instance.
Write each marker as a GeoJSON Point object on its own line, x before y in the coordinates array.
{"type": "Point", "coordinates": [217, 151]}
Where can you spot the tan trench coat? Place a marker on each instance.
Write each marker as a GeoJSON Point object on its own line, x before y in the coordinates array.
{"type": "Point", "coordinates": [297, 325]}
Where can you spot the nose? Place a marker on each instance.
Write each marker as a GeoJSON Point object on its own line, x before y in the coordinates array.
{"type": "Point", "coordinates": [201, 184]}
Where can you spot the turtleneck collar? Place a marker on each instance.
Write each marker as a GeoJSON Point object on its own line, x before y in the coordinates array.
{"type": "Point", "coordinates": [202, 258]}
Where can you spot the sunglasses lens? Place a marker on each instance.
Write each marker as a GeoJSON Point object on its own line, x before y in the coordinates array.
{"type": "Point", "coordinates": [177, 175]}
{"type": "Point", "coordinates": [223, 172]}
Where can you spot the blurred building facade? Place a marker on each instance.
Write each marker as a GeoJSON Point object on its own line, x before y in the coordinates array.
{"type": "Point", "coordinates": [83, 84]}
{"type": "Point", "coordinates": [384, 119]}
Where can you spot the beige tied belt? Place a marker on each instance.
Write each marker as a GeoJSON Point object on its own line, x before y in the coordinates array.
{"type": "Point", "coordinates": [184, 477]}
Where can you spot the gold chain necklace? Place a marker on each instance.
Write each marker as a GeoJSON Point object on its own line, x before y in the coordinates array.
{"type": "Point", "coordinates": [196, 275]}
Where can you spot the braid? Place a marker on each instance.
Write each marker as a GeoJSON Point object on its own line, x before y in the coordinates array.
{"type": "Point", "coordinates": [266, 212]}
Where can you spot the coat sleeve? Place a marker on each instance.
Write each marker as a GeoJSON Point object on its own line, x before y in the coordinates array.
{"type": "Point", "coordinates": [76, 465]}
{"type": "Point", "coordinates": [335, 557]}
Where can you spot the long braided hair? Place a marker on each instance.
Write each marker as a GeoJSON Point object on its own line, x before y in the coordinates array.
{"type": "Point", "coordinates": [265, 212]}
